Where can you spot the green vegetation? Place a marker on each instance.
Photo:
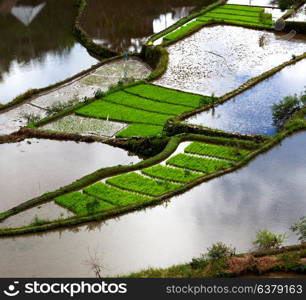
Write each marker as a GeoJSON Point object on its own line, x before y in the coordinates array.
{"type": "Point", "coordinates": [283, 110]}
{"type": "Point", "coordinates": [59, 106]}
{"type": "Point", "coordinates": [169, 173]}
{"type": "Point", "coordinates": [38, 222]}
{"type": "Point", "coordinates": [236, 14]}
{"type": "Point", "coordinates": [82, 204]}
{"type": "Point", "coordinates": [113, 195]}
{"type": "Point", "coordinates": [204, 165]}
{"type": "Point", "coordinates": [168, 95]}
{"type": "Point", "coordinates": [31, 117]}
{"type": "Point", "coordinates": [105, 110]}
{"type": "Point", "coordinates": [268, 240]}
{"type": "Point", "coordinates": [220, 250]}
{"type": "Point", "coordinates": [143, 130]}
{"type": "Point", "coordinates": [184, 30]}
{"type": "Point", "coordinates": [300, 228]}
{"type": "Point", "coordinates": [134, 101]}
{"type": "Point", "coordinates": [137, 183]}
{"type": "Point", "coordinates": [216, 151]}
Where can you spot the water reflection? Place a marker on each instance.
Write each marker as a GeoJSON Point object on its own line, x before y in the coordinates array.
{"type": "Point", "coordinates": [34, 167]}
{"type": "Point", "coordinates": [269, 193]}
{"type": "Point", "coordinates": [37, 47]}
{"type": "Point", "coordinates": [250, 112]}
{"type": "Point", "coordinates": [123, 25]}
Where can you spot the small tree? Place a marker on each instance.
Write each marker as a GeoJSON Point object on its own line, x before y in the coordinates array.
{"type": "Point", "coordinates": [266, 239]}
{"type": "Point", "coordinates": [300, 228]}
{"type": "Point", "coordinates": [220, 250]}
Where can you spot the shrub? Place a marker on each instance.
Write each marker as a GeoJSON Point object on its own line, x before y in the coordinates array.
{"type": "Point", "coordinates": [99, 94]}
{"type": "Point", "coordinates": [59, 106]}
{"type": "Point", "coordinates": [31, 117]}
{"type": "Point", "coordinates": [199, 263]}
{"type": "Point", "coordinates": [219, 251]}
{"type": "Point", "coordinates": [283, 110]}
{"type": "Point", "coordinates": [38, 222]}
{"type": "Point", "coordinates": [300, 228]}
{"type": "Point", "coordinates": [268, 240]}
{"type": "Point", "coordinates": [289, 260]}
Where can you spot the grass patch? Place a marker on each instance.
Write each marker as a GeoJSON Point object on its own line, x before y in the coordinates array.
{"type": "Point", "coordinates": [113, 195]}
{"type": "Point", "coordinates": [137, 183]}
{"type": "Point", "coordinates": [226, 152]}
{"type": "Point", "coordinates": [168, 95]}
{"type": "Point", "coordinates": [145, 104]}
{"type": "Point", "coordinates": [242, 8]}
{"type": "Point", "coordinates": [168, 173]}
{"type": "Point", "coordinates": [204, 165]}
{"type": "Point", "coordinates": [105, 110]}
{"type": "Point", "coordinates": [184, 30]}
{"type": "Point", "coordinates": [82, 204]}
{"type": "Point", "coordinates": [143, 130]}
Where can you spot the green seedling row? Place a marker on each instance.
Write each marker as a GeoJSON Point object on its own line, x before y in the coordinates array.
{"type": "Point", "coordinates": [243, 8]}
{"type": "Point", "coordinates": [138, 183]}
{"type": "Point", "coordinates": [225, 152]}
{"type": "Point", "coordinates": [143, 130]}
{"type": "Point", "coordinates": [113, 195]}
{"type": "Point", "coordinates": [105, 110]}
{"type": "Point", "coordinates": [145, 104]}
{"type": "Point", "coordinates": [183, 30]}
{"type": "Point", "coordinates": [173, 174]}
{"type": "Point", "coordinates": [204, 165]}
{"type": "Point", "coordinates": [168, 96]}
{"type": "Point", "coordinates": [82, 204]}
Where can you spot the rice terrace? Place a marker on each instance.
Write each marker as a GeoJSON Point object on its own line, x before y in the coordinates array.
{"type": "Point", "coordinates": [167, 141]}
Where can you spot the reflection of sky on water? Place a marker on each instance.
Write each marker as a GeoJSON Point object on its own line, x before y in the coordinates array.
{"type": "Point", "coordinates": [269, 193]}
{"type": "Point", "coordinates": [250, 112]}
{"type": "Point", "coordinates": [43, 71]}
{"type": "Point", "coordinates": [30, 170]}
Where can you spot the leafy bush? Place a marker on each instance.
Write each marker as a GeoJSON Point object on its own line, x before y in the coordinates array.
{"type": "Point", "coordinates": [199, 263]}
{"type": "Point", "coordinates": [59, 106]}
{"type": "Point", "coordinates": [38, 222]}
{"type": "Point", "coordinates": [31, 117]}
{"type": "Point", "coordinates": [99, 94]}
{"type": "Point", "coordinates": [268, 240]}
{"type": "Point", "coordinates": [219, 251]}
{"type": "Point", "coordinates": [282, 111]}
{"type": "Point", "coordinates": [300, 228]}
{"type": "Point", "coordinates": [289, 260]}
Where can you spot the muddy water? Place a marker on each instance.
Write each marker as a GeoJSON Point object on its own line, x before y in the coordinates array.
{"type": "Point", "coordinates": [218, 59]}
{"type": "Point", "coordinates": [30, 170]}
{"type": "Point", "coordinates": [250, 112]}
{"type": "Point", "coordinates": [269, 193]}
{"type": "Point", "coordinates": [37, 47]}
{"type": "Point", "coordinates": [121, 27]}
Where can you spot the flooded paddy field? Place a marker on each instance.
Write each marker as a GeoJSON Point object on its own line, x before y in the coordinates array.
{"type": "Point", "coordinates": [219, 59]}
{"type": "Point", "coordinates": [115, 25]}
{"type": "Point", "coordinates": [251, 111]}
{"type": "Point", "coordinates": [32, 55]}
{"type": "Point", "coordinates": [229, 209]}
{"type": "Point", "coordinates": [34, 167]}
{"type": "Point", "coordinates": [86, 86]}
